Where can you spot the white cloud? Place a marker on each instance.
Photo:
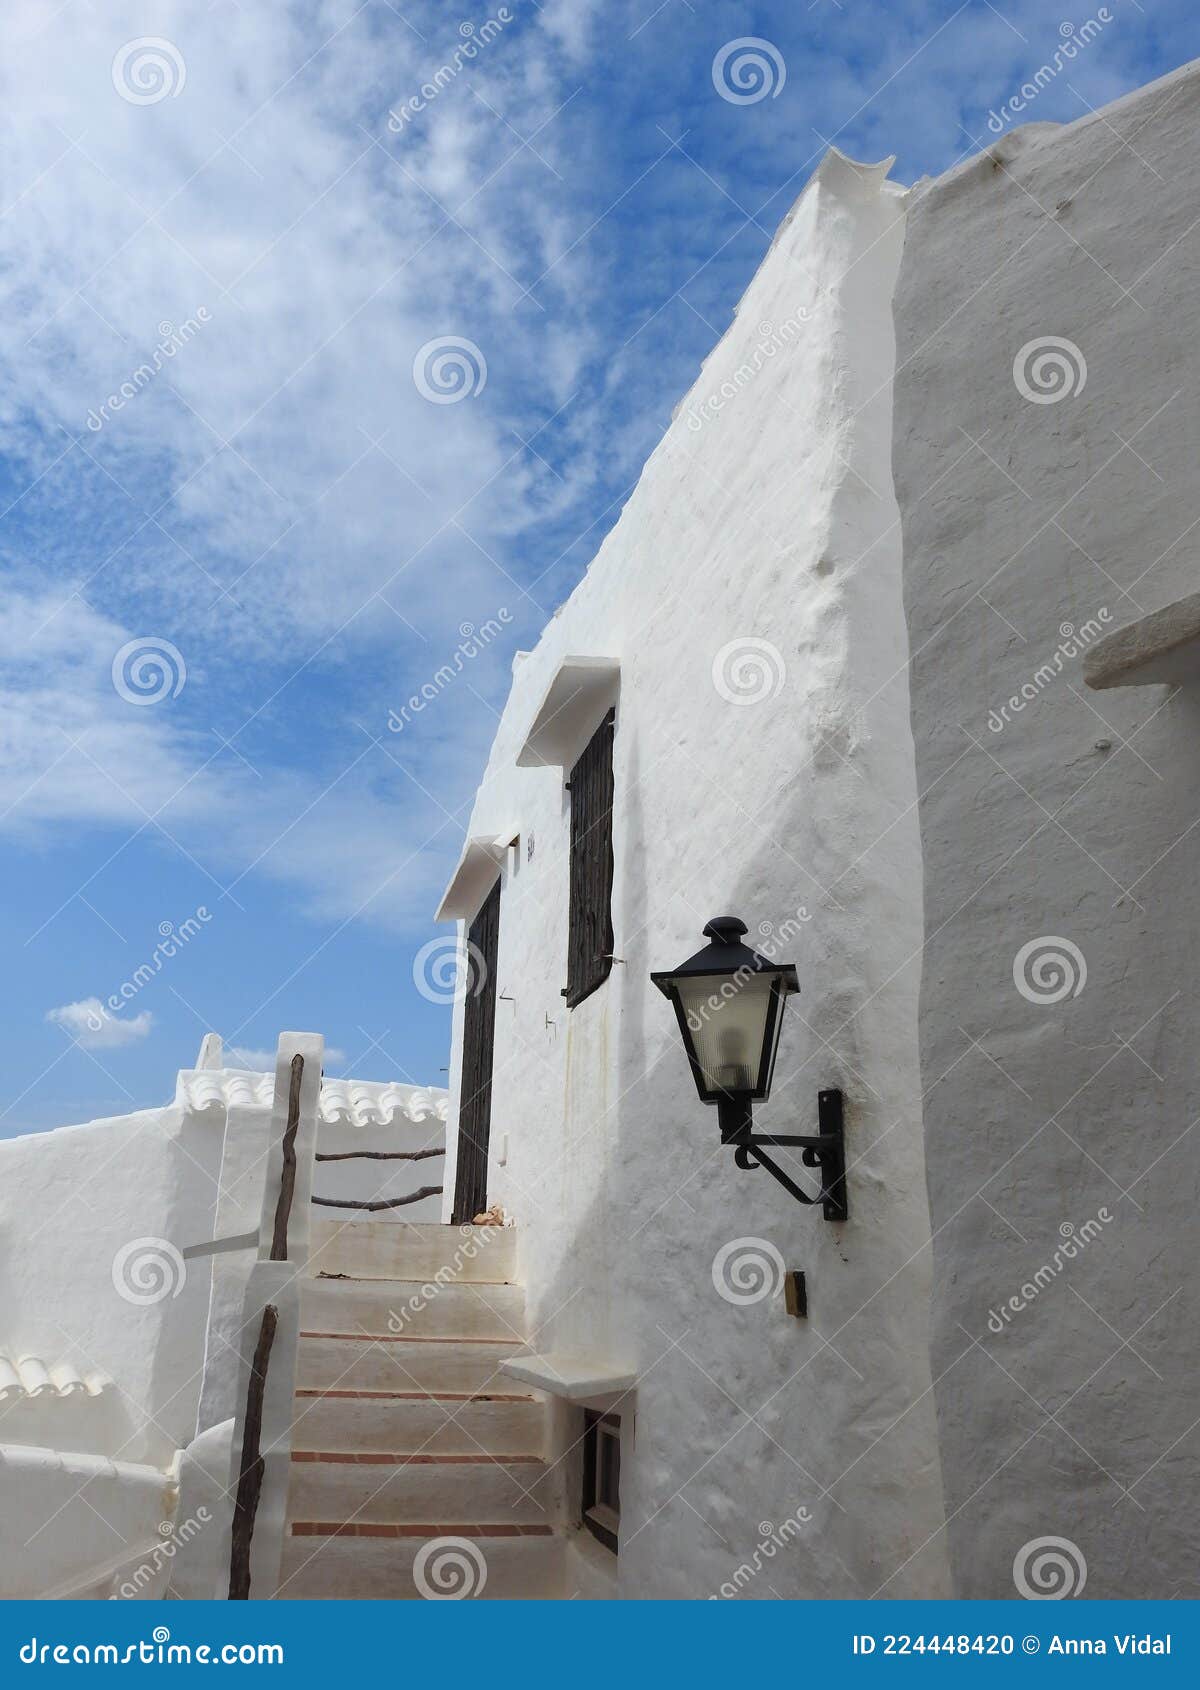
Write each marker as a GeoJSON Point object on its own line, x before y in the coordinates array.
{"type": "Point", "coordinates": [365, 838]}
{"type": "Point", "coordinates": [570, 22]}
{"type": "Point", "coordinates": [323, 249]}
{"type": "Point", "coordinates": [90, 1025]}
{"type": "Point", "coordinates": [279, 501]}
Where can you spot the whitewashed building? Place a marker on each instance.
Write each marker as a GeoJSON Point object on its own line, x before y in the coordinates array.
{"type": "Point", "coordinates": [840, 666]}
{"type": "Point", "coordinates": [847, 669]}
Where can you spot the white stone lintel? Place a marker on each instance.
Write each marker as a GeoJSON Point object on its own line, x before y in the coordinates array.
{"type": "Point", "coordinates": [473, 879]}
{"type": "Point", "coordinates": [582, 690]}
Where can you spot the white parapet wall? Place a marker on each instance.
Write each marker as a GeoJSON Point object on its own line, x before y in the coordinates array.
{"type": "Point", "coordinates": [745, 617]}
{"type": "Point", "coordinates": [73, 1521]}
{"type": "Point", "coordinates": [102, 1335]}
{"type": "Point", "coordinates": [93, 1220]}
{"type": "Point", "coordinates": [376, 1142]}
{"type": "Point", "coordinates": [119, 1343]}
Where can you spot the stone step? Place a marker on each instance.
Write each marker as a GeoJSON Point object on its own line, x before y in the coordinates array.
{"type": "Point", "coordinates": [419, 1425]}
{"type": "Point", "coordinates": [356, 1361]}
{"type": "Point", "coordinates": [412, 1308]}
{"type": "Point", "coordinates": [408, 1250]}
{"type": "Point", "coordinates": [320, 1566]}
{"type": "Point", "coordinates": [365, 1488]}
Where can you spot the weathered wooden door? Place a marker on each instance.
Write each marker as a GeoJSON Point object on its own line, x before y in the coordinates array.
{"type": "Point", "coordinates": [479, 1026]}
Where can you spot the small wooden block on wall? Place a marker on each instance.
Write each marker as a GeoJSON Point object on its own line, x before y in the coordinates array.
{"type": "Point", "coordinates": [795, 1294]}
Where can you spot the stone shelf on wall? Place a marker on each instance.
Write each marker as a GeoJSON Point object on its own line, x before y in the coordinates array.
{"type": "Point", "coordinates": [1162, 648]}
{"type": "Point", "coordinates": [575, 1377]}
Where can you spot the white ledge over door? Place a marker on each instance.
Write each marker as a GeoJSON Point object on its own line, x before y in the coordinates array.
{"type": "Point", "coordinates": [578, 1378]}
{"type": "Point", "coordinates": [1162, 648]}
{"type": "Point", "coordinates": [473, 879]}
{"type": "Point", "coordinates": [580, 692]}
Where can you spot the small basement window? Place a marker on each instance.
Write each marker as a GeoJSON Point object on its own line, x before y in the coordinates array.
{"type": "Point", "coordinates": [590, 937]}
{"type": "Point", "coordinates": [602, 1476]}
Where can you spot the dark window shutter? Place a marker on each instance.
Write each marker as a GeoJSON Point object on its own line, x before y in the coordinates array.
{"type": "Point", "coordinates": [479, 1024]}
{"type": "Point", "coordinates": [590, 939]}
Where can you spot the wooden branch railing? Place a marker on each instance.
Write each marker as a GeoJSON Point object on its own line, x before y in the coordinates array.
{"type": "Point", "coordinates": [271, 1323]}
{"type": "Point", "coordinates": [379, 1202]}
{"type": "Point", "coordinates": [377, 1155]}
{"type": "Point", "coordinates": [287, 1181]}
{"type": "Point", "coordinates": [271, 1309]}
{"type": "Point", "coordinates": [375, 1205]}
{"type": "Point", "coordinates": [250, 1477]}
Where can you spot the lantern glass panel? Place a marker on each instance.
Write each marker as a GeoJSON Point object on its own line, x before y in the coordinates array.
{"type": "Point", "coordinates": [728, 1022]}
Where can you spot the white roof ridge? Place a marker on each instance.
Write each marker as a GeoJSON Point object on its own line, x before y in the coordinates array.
{"type": "Point", "coordinates": [349, 1102]}
{"type": "Point", "coordinates": [29, 1376]}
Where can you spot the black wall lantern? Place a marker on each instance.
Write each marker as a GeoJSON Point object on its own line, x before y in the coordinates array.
{"type": "Point", "coordinates": [729, 1003]}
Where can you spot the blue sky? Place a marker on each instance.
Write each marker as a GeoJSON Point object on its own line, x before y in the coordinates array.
{"type": "Point", "coordinates": [299, 501]}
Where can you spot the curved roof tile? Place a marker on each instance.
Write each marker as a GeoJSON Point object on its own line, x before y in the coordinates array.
{"type": "Point", "coordinates": [30, 1376]}
{"type": "Point", "coordinates": [357, 1103]}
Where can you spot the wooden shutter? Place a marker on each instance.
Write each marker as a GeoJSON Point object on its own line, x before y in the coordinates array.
{"type": "Point", "coordinates": [479, 1026]}
{"type": "Point", "coordinates": [590, 938]}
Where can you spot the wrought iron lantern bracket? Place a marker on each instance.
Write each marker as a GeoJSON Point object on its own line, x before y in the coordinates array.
{"type": "Point", "coordinates": [825, 1150]}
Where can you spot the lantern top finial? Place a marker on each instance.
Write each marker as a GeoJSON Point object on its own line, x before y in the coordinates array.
{"type": "Point", "coordinates": [727, 954]}
{"type": "Point", "coordinates": [725, 929]}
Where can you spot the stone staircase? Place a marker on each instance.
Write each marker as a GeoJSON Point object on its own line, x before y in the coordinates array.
{"type": "Point", "coordinates": [406, 1434]}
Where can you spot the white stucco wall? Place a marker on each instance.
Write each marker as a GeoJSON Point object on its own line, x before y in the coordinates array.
{"type": "Point", "coordinates": [73, 1521]}
{"type": "Point", "coordinates": [115, 1349]}
{"type": "Point", "coordinates": [92, 1285]}
{"type": "Point", "coordinates": [71, 1202]}
{"type": "Point", "coordinates": [768, 519]}
{"type": "Point", "coordinates": [1020, 518]}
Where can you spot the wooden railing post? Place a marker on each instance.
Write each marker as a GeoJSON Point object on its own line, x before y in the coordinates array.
{"type": "Point", "coordinates": [270, 1326]}
{"type": "Point", "coordinates": [250, 1478]}
{"type": "Point", "coordinates": [287, 1178]}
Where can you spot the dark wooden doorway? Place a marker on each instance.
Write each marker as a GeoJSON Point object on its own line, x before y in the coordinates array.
{"type": "Point", "coordinates": [479, 1026]}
